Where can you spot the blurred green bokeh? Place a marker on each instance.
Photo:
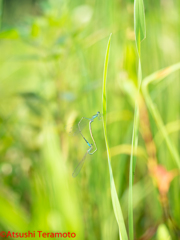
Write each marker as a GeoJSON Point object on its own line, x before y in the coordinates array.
{"type": "Point", "coordinates": [51, 68]}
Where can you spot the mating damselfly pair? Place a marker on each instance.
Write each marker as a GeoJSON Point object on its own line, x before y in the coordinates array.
{"type": "Point", "coordinates": [92, 148]}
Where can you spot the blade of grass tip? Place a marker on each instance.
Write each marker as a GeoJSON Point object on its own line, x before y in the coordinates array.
{"type": "Point", "coordinates": [1, 12]}
{"type": "Point", "coordinates": [139, 23]}
{"type": "Point", "coordinates": [140, 35]}
{"type": "Point", "coordinates": [114, 196]}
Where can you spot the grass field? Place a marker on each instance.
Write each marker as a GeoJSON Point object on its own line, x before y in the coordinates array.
{"type": "Point", "coordinates": [52, 73]}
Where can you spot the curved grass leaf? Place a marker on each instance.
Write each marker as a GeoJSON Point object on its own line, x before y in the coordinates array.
{"type": "Point", "coordinates": [156, 78]}
{"type": "Point", "coordinates": [114, 196]}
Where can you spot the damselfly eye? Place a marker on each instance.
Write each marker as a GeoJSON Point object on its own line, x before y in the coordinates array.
{"type": "Point", "coordinates": [99, 116]}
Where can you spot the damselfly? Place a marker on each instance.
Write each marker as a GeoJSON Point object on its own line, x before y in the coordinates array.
{"type": "Point", "coordinates": [77, 128]}
{"type": "Point", "coordinates": [92, 147]}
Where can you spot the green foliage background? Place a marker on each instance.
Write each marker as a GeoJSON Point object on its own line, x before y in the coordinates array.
{"type": "Point", "coordinates": [51, 72]}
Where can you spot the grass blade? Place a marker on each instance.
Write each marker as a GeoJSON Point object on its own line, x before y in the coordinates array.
{"type": "Point", "coordinates": [140, 34]}
{"type": "Point", "coordinates": [114, 196]}
{"type": "Point", "coordinates": [1, 12]}
{"type": "Point", "coordinates": [155, 78]}
{"type": "Point", "coordinates": [139, 23]}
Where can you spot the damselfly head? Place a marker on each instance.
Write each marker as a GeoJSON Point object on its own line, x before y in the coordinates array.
{"type": "Point", "coordinates": [99, 115]}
